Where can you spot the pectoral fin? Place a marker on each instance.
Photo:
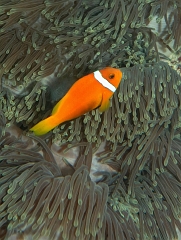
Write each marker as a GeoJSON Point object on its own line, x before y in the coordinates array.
{"type": "Point", "coordinates": [104, 105]}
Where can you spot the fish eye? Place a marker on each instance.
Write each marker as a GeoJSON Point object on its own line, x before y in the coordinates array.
{"type": "Point", "coordinates": [111, 76]}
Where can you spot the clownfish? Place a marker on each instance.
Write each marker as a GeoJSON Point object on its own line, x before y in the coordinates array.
{"type": "Point", "coordinates": [89, 92]}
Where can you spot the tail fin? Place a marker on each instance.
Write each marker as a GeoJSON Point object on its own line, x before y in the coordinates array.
{"type": "Point", "coordinates": [45, 126]}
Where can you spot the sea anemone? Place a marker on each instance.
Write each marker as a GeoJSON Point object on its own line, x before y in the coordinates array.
{"type": "Point", "coordinates": [45, 47]}
{"type": "Point", "coordinates": [70, 206]}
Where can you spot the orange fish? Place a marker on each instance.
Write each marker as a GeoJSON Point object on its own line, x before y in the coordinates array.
{"type": "Point", "coordinates": [89, 92]}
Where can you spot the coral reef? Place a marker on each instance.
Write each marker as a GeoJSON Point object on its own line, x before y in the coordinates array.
{"type": "Point", "coordinates": [45, 46]}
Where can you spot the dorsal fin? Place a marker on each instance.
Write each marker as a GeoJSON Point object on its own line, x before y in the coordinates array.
{"type": "Point", "coordinates": [55, 109]}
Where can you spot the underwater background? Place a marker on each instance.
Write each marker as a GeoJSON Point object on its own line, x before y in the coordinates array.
{"type": "Point", "coordinates": [113, 175]}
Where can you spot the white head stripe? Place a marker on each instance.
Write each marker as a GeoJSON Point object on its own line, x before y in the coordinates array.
{"type": "Point", "coordinates": [98, 76]}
